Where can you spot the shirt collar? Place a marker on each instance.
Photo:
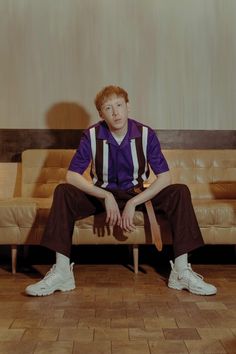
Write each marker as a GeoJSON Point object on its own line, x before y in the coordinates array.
{"type": "Point", "coordinates": [104, 132]}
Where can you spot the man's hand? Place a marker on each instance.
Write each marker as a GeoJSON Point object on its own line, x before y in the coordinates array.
{"type": "Point", "coordinates": [112, 210]}
{"type": "Point", "coordinates": [127, 218]}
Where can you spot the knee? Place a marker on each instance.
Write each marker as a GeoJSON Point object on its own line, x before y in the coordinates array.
{"type": "Point", "coordinates": [63, 189]}
{"type": "Point", "coordinates": [182, 190]}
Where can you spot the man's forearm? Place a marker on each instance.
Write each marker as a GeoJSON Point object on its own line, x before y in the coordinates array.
{"type": "Point", "coordinates": [162, 181]}
{"type": "Point", "coordinates": [80, 182]}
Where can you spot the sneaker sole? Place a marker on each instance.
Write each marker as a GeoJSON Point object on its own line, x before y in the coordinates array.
{"type": "Point", "coordinates": [175, 287]}
{"type": "Point", "coordinates": [65, 288]}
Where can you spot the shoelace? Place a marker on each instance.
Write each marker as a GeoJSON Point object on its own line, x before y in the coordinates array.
{"type": "Point", "coordinates": [196, 275]}
{"type": "Point", "coordinates": [50, 273]}
{"type": "Point", "coordinates": [180, 276]}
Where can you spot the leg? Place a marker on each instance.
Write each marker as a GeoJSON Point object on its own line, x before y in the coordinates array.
{"type": "Point", "coordinates": [135, 257]}
{"type": "Point", "coordinates": [14, 258]}
{"type": "Point", "coordinates": [69, 203]}
{"type": "Point", "coordinates": [175, 201]}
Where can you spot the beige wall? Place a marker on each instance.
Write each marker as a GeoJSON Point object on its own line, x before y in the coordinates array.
{"type": "Point", "coordinates": [177, 59]}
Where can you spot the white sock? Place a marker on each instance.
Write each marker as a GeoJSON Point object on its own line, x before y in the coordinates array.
{"type": "Point", "coordinates": [62, 262]}
{"type": "Point", "coordinates": [181, 262]}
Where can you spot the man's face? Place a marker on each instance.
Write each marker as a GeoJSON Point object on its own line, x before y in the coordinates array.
{"type": "Point", "coordinates": [114, 111]}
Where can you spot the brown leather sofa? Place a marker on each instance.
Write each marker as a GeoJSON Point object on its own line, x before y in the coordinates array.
{"type": "Point", "coordinates": [210, 175]}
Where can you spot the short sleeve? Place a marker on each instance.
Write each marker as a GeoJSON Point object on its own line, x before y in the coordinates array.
{"type": "Point", "coordinates": [82, 156]}
{"type": "Point", "coordinates": [155, 156]}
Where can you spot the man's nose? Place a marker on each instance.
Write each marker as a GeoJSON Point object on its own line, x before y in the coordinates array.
{"type": "Point", "coordinates": [114, 111]}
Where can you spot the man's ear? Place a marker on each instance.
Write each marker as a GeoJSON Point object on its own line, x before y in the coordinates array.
{"type": "Point", "coordinates": [128, 107]}
{"type": "Point", "coordinates": [100, 114]}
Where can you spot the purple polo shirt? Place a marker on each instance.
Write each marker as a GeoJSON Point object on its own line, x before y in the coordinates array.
{"type": "Point", "coordinates": [121, 162]}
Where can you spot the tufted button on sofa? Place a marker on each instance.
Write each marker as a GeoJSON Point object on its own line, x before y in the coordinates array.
{"type": "Point", "coordinates": [209, 174]}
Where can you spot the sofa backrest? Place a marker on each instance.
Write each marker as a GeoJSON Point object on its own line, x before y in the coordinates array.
{"type": "Point", "coordinates": [208, 173]}
{"type": "Point", "coordinates": [43, 170]}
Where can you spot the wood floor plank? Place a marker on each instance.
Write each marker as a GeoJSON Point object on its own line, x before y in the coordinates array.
{"type": "Point", "coordinates": [17, 347]}
{"type": "Point", "coordinates": [207, 346]}
{"type": "Point", "coordinates": [92, 348]}
{"type": "Point", "coordinates": [54, 347]}
{"type": "Point", "coordinates": [168, 347]}
{"type": "Point", "coordinates": [130, 347]}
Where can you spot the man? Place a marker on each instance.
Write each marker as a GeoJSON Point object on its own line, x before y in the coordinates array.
{"type": "Point", "coordinates": [121, 150]}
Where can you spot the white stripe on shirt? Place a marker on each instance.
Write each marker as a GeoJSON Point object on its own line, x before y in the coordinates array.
{"type": "Point", "coordinates": [105, 164]}
{"type": "Point", "coordinates": [144, 143]}
{"type": "Point", "coordinates": [93, 147]}
{"type": "Point", "coordinates": [135, 161]}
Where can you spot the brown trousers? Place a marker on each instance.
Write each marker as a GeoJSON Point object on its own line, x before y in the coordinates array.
{"type": "Point", "coordinates": [70, 204]}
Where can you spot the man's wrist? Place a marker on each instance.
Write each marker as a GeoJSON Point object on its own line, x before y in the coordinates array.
{"type": "Point", "coordinates": [133, 202]}
{"type": "Point", "coordinates": [107, 194]}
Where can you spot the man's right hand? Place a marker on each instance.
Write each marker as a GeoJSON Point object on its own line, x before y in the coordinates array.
{"type": "Point", "coordinates": [112, 210]}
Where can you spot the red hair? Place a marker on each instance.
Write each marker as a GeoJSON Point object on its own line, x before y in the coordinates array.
{"type": "Point", "coordinates": [107, 92]}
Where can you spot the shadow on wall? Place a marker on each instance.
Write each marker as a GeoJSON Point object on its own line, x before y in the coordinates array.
{"type": "Point", "coordinates": [65, 122]}
{"type": "Point", "coordinates": [67, 115]}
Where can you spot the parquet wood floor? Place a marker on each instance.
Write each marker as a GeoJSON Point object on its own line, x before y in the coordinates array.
{"type": "Point", "coordinates": [114, 311]}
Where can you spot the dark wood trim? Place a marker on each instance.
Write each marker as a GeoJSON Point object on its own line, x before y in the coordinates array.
{"type": "Point", "coordinates": [197, 139]}
{"type": "Point", "coordinates": [14, 141]}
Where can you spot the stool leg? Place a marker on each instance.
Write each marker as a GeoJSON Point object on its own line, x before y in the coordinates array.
{"type": "Point", "coordinates": [135, 257]}
{"type": "Point", "coordinates": [13, 258]}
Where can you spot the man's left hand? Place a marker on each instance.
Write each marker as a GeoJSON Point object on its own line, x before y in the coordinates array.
{"type": "Point", "coordinates": [127, 218]}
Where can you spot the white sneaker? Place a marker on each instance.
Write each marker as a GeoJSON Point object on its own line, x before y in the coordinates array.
{"type": "Point", "coordinates": [190, 280]}
{"type": "Point", "coordinates": [53, 281]}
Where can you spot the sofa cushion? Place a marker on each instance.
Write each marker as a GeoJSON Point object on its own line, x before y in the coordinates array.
{"type": "Point", "coordinates": [17, 212]}
{"type": "Point", "coordinates": [16, 217]}
{"type": "Point", "coordinates": [215, 212]}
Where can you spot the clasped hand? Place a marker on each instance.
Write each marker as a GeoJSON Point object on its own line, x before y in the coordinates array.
{"type": "Point", "coordinates": [124, 220]}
